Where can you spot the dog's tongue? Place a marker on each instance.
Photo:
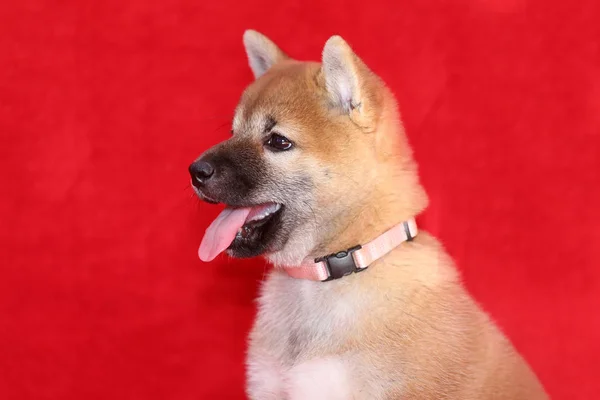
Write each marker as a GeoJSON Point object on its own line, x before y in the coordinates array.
{"type": "Point", "coordinates": [222, 231]}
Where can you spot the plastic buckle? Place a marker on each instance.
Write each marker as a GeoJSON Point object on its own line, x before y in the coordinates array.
{"type": "Point", "coordinates": [340, 264]}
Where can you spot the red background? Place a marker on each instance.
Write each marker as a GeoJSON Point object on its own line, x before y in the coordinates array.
{"type": "Point", "coordinates": [104, 103]}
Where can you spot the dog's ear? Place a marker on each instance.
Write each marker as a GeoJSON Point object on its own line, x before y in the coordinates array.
{"type": "Point", "coordinates": [349, 82]}
{"type": "Point", "coordinates": [262, 52]}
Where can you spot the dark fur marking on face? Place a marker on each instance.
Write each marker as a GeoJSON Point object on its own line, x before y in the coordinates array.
{"type": "Point", "coordinates": [269, 124]}
{"type": "Point", "coordinates": [240, 177]}
{"type": "Point", "coordinates": [239, 171]}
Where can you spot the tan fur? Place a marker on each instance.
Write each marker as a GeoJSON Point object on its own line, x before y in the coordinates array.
{"type": "Point", "coordinates": [405, 328]}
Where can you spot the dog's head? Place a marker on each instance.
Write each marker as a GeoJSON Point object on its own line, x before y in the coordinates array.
{"type": "Point", "coordinates": [316, 148]}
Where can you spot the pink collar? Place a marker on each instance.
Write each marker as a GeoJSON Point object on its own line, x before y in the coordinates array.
{"type": "Point", "coordinates": [356, 259]}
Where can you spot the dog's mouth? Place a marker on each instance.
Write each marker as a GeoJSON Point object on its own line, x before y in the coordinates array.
{"type": "Point", "coordinates": [242, 231]}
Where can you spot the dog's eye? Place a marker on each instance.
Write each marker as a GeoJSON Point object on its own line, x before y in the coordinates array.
{"type": "Point", "coordinates": [279, 143]}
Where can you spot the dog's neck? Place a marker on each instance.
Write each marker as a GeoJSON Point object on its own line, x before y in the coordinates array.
{"type": "Point", "coordinates": [359, 224]}
{"type": "Point", "coordinates": [371, 219]}
{"type": "Point", "coordinates": [356, 259]}
{"type": "Point", "coordinates": [394, 194]}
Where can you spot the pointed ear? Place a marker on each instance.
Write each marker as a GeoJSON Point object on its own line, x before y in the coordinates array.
{"type": "Point", "coordinates": [349, 82]}
{"type": "Point", "coordinates": [262, 52]}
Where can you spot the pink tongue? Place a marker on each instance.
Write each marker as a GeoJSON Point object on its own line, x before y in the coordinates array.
{"type": "Point", "coordinates": [221, 232]}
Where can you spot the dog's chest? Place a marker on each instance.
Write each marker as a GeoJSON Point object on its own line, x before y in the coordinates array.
{"type": "Point", "coordinates": [294, 346]}
{"type": "Point", "coordinates": [299, 317]}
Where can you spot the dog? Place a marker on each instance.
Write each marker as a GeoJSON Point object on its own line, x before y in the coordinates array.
{"type": "Point", "coordinates": [319, 178]}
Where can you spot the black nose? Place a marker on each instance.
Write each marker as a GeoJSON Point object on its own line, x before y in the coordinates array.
{"type": "Point", "coordinates": [201, 171]}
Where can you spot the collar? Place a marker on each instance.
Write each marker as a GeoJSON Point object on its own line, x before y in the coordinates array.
{"type": "Point", "coordinates": [355, 259]}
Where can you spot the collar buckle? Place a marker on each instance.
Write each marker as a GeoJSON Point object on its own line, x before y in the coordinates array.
{"type": "Point", "coordinates": [340, 264]}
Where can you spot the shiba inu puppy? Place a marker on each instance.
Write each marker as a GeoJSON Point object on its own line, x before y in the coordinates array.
{"type": "Point", "coordinates": [318, 177]}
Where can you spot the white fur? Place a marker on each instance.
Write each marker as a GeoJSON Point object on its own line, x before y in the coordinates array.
{"type": "Point", "coordinates": [265, 378]}
{"type": "Point", "coordinates": [296, 249]}
{"type": "Point", "coordinates": [262, 52]}
{"type": "Point", "coordinates": [319, 379]}
{"type": "Point", "coordinates": [340, 75]}
{"type": "Point", "coordinates": [320, 317]}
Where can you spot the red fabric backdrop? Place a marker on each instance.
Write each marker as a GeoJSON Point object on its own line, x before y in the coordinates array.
{"type": "Point", "coordinates": [104, 103]}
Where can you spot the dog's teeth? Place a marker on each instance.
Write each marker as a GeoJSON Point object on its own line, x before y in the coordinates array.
{"type": "Point", "coordinates": [266, 212]}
